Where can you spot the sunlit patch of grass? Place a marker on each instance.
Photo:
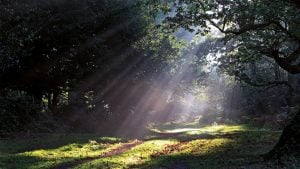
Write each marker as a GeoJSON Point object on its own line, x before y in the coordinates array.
{"type": "Point", "coordinates": [218, 129]}
{"type": "Point", "coordinates": [48, 154]}
{"type": "Point", "coordinates": [196, 129]}
{"type": "Point", "coordinates": [203, 146]}
{"type": "Point", "coordinates": [189, 153]}
{"type": "Point", "coordinates": [183, 145]}
{"type": "Point", "coordinates": [49, 141]}
{"type": "Point", "coordinates": [131, 158]}
{"type": "Point", "coordinates": [71, 151]}
{"type": "Point", "coordinates": [237, 147]}
{"type": "Point", "coordinates": [173, 125]}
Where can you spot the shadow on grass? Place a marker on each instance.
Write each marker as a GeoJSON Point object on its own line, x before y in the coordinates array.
{"type": "Point", "coordinates": [116, 151]}
{"type": "Point", "coordinates": [208, 133]}
{"type": "Point", "coordinates": [240, 139]}
{"type": "Point", "coordinates": [26, 162]}
{"type": "Point", "coordinates": [20, 162]}
{"type": "Point", "coordinates": [242, 147]}
{"type": "Point", "coordinates": [13, 156]}
{"type": "Point", "coordinates": [50, 141]}
{"type": "Point", "coordinates": [207, 161]}
{"type": "Point", "coordinates": [230, 151]}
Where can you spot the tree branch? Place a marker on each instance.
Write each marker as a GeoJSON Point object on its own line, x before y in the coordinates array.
{"type": "Point", "coordinates": [295, 2]}
{"type": "Point", "coordinates": [285, 64]}
{"type": "Point", "coordinates": [245, 78]}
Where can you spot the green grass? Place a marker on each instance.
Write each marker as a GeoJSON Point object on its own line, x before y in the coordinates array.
{"type": "Point", "coordinates": [192, 130]}
{"type": "Point", "coordinates": [215, 146]}
{"type": "Point", "coordinates": [52, 150]}
{"type": "Point", "coordinates": [170, 145]}
{"type": "Point", "coordinates": [240, 150]}
{"type": "Point", "coordinates": [134, 157]}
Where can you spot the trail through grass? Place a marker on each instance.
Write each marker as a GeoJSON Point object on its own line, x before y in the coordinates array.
{"type": "Point", "coordinates": [171, 145]}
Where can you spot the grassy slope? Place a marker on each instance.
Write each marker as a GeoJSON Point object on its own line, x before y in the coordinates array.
{"type": "Point", "coordinates": [170, 146]}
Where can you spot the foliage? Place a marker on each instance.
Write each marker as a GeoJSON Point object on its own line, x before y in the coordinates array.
{"type": "Point", "coordinates": [17, 113]}
{"type": "Point", "coordinates": [54, 51]}
{"type": "Point", "coordinates": [70, 56]}
{"type": "Point", "coordinates": [251, 28]}
{"type": "Point", "coordinates": [50, 47]}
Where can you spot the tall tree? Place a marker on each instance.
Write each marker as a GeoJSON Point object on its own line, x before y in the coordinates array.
{"type": "Point", "coordinates": [48, 47]}
{"type": "Point", "coordinates": [253, 29]}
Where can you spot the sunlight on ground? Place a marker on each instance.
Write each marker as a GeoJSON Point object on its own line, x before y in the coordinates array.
{"type": "Point", "coordinates": [54, 150]}
{"type": "Point", "coordinates": [195, 129]}
{"type": "Point", "coordinates": [188, 154]}
{"type": "Point", "coordinates": [204, 146]}
{"type": "Point", "coordinates": [70, 153]}
{"type": "Point", "coordinates": [136, 156]}
{"type": "Point", "coordinates": [187, 145]}
{"type": "Point", "coordinates": [218, 129]}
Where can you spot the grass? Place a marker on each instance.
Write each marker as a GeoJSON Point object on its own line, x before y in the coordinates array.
{"type": "Point", "coordinates": [240, 150]}
{"type": "Point", "coordinates": [215, 146]}
{"type": "Point", "coordinates": [52, 150]}
{"type": "Point", "coordinates": [170, 145]}
{"type": "Point", "coordinates": [213, 129]}
{"type": "Point", "coordinates": [133, 158]}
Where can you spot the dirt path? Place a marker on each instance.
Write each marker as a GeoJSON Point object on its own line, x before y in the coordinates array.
{"type": "Point", "coordinates": [116, 151]}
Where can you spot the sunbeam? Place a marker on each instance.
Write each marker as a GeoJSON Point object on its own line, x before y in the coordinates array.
{"type": "Point", "coordinates": [91, 84]}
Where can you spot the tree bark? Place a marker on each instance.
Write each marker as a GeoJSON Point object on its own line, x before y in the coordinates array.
{"type": "Point", "coordinates": [53, 99]}
{"type": "Point", "coordinates": [289, 142]}
{"type": "Point", "coordinates": [49, 100]}
{"type": "Point", "coordinates": [284, 63]}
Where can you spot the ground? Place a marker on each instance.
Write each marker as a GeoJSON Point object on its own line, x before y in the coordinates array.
{"type": "Point", "coordinates": [167, 146]}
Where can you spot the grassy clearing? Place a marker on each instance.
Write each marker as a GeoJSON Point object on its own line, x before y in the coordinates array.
{"type": "Point", "coordinates": [53, 150]}
{"type": "Point", "coordinates": [194, 130]}
{"type": "Point", "coordinates": [241, 150]}
{"type": "Point", "coordinates": [169, 146]}
{"type": "Point", "coordinates": [130, 159]}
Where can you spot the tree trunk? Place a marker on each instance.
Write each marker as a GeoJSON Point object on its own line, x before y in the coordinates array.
{"type": "Point", "coordinates": [55, 98]}
{"type": "Point", "coordinates": [49, 100]}
{"type": "Point", "coordinates": [289, 142]}
{"type": "Point", "coordinates": [53, 101]}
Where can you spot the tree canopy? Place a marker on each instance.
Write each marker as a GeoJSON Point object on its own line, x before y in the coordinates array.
{"type": "Point", "coordinates": [254, 28]}
{"type": "Point", "coordinates": [50, 46]}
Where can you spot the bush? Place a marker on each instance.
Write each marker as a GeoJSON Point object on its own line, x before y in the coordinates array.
{"type": "Point", "coordinates": [17, 113]}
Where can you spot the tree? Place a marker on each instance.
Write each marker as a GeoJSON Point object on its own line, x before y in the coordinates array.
{"type": "Point", "coordinates": [74, 55]}
{"type": "Point", "coordinates": [48, 47]}
{"type": "Point", "coordinates": [253, 29]}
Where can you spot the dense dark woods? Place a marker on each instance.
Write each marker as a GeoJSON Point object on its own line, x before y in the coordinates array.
{"type": "Point", "coordinates": [56, 53]}
{"type": "Point", "coordinates": [124, 68]}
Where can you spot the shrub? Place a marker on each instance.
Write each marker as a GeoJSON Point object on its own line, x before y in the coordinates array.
{"type": "Point", "coordinates": [17, 113]}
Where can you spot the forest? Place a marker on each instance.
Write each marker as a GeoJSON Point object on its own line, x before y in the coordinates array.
{"type": "Point", "coordinates": [151, 84]}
